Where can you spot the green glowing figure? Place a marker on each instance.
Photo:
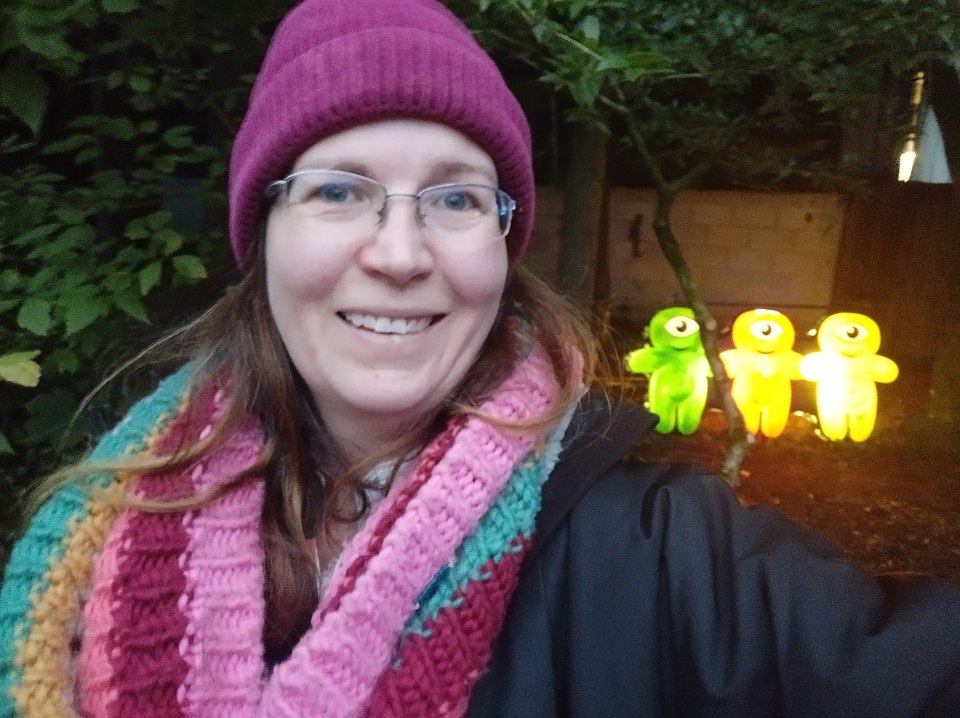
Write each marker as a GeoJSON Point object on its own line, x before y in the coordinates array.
{"type": "Point", "coordinates": [678, 370]}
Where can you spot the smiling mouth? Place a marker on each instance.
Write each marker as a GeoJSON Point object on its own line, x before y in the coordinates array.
{"type": "Point", "coordinates": [388, 325]}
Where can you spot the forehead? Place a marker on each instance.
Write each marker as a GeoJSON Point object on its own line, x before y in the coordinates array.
{"type": "Point", "coordinates": [392, 147]}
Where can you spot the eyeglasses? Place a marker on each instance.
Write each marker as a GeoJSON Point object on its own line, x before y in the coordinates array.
{"type": "Point", "coordinates": [337, 197]}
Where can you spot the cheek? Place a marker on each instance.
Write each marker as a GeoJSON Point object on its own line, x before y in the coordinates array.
{"type": "Point", "coordinates": [479, 278]}
{"type": "Point", "coordinates": [297, 265]}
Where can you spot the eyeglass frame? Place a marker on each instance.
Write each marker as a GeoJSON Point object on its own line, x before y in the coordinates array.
{"type": "Point", "coordinates": [506, 205]}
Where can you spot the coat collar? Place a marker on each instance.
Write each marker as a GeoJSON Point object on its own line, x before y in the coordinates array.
{"type": "Point", "coordinates": [602, 431]}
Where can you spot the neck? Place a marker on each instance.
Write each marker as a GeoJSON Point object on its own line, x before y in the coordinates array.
{"type": "Point", "coordinates": [361, 440]}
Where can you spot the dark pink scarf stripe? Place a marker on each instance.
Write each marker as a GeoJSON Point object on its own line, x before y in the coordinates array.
{"type": "Point", "coordinates": [148, 625]}
{"type": "Point", "coordinates": [440, 670]}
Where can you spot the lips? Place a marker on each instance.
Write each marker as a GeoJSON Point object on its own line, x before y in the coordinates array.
{"type": "Point", "coordinates": [388, 325]}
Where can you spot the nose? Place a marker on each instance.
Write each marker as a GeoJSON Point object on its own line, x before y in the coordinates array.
{"type": "Point", "coordinates": [397, 248]}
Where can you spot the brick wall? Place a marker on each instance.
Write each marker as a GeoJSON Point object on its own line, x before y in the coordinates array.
{"type": "Point", "coordinates": [747, 249]}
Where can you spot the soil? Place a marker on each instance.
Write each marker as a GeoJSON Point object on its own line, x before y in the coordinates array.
{"type": "Point", "coordinates": [889, 504]}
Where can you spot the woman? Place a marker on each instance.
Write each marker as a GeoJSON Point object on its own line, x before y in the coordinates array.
{"type": "Point", "coordinates": [378, 487]}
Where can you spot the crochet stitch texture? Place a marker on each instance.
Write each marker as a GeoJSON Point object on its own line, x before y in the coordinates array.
{"type": "Point", "coordinates": [173, 612]}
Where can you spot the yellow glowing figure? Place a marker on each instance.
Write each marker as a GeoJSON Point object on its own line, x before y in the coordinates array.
{"type": "Point", "coordinates": [846, 371]}
{"type": "Point", "coordinates": [678, 370]}
{"type": "Point", "coordinates": [761, 367]}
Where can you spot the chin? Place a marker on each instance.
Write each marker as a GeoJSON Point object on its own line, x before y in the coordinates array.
{"type": "Point", "coordinates": [399, 406]}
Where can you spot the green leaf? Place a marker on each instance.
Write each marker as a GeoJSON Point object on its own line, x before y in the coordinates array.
{"type": "Point", "coordinates": [131, 304]}
{"type": "Point", "coordinates": [120, 6]}
{"type": "Point", "coordinates": [121, 128]}
{"type": "Point", "coordinates": [74, 142]}
{"type": "Point", "coordinates": [90, 153]}
{"type": "Point", "coordinates": [641, 60]}
{"type": "Point", "coordinates": [69, 215]}
{"type": "Point", "coordinates": [585, 89]}
{"type": "Point", "coordinates": [578, 7]}
{"type": "Point", "coordinates": [590, 27]}
{"type": "Point", "coordinates": [165, 165]}
{"type": "Point", "coordinates": [178, 137]}
{"type": "Point", "coordinates": [40, 281]}
{"type": "Point", "coordinates": [137, 228]}
{"type": "Point", "coordinates": [24, 93]}
{"type": "Point", "coordinates": [118, 281]}
{"type": "Point", "coordinates": [10, 279]}
{"type": "Point", "coordinates": [65, 361]}
{"type": "Point", "coordinates": [82, 311]}
{"type": "Point", "coordinates": [140, 83]}
{"type": "Point", "coordinates": [36, 234]}
{"type": "Point", "coordinates": [5, 447]}
{"type": "Point", "coordinates": [81, 315]}
{"type": "Point", "coordinates": [19, 368]}
{"type": "Point", "coordinates": [189, 266]}
{"type": "Point", "coordinates": [48, 45]}
{"type": "Point", "coordinates": [159, 219]}
{"type": "Point", "coordinates": [81, 235]}
{"type": "Point", "coordinates": [115, 79]}
{"type": "Point", "coordinates": [172, 240]}
{"type": "Point", "coordinates": [34, 316]}
{"type": "Point", "coordinates": [149, 277]}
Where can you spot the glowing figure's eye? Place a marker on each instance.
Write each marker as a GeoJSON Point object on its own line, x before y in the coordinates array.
{"type": "Point", "coordinates": [766, 331]}
{"type": "Point", "coordinates": [681, 326]}
{"type": "Point", "coordinates": [852, 332]}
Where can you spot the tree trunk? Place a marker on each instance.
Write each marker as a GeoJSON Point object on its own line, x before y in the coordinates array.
{"type": "Point", "coordinates": [602, 282]}
{"type": "Point", "coordinates": [737, 430]}
{"type": "Point", "coordinates": [582, 213]}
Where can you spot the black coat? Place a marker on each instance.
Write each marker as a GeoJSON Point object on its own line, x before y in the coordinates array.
{"type": "Point", "coordinates": [653, 592]}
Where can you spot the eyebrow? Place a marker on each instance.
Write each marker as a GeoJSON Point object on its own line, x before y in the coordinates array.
{"type": "Point", "coordinates": [440, 171]}
{"type": "Point", "coordinates": [451, 169]}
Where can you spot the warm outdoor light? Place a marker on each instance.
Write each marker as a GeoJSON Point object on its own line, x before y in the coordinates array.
{"type": "Point", "coordinates": [907, 158]}
{"type": "Point", "coordinates": [762, 366]}
{"type": "Point", "coordinates": [678, 370]}
{"type": "Point", "coordinates": [909, 154]}
{"type": "Point", "coordinates": [846, 370]}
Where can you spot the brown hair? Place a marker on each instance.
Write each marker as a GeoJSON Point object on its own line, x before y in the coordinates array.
{"type": "Point", "coordinates": [308, 481]}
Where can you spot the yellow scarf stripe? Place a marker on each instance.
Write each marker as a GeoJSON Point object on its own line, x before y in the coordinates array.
{"type": "Point", "coordinates": [38, 670]}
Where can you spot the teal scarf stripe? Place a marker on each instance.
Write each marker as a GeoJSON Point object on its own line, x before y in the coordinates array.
{"type": "Point", "coordinates": [512, 515]}
{"type": "Point", "coordinates": [44, 543]}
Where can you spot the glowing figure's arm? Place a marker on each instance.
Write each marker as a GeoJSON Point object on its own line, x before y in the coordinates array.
{"type": "Point", "coordinates": [645, 360]}
{"type": "Point", "coordinates": [883, 370]}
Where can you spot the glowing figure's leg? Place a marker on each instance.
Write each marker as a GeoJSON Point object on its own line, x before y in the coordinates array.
{"type": "Point", "coordinates": [832, 411]}
{"type": "Point", "coordinates": [660, 403]}
{"type": "Point", "coordinates": [776, 412]}
{"type": "Point", "coordinates": [743, 396]}
{"type": "Point", "coordinates": [690, 410]}
{"type": "Point", "coordinates": [864, 417]}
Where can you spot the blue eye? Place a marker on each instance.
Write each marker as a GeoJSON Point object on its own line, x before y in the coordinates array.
{"type": "Point", "coordinates": [457, 201]}
{"type": "Point", "coordinates": [335, 193]}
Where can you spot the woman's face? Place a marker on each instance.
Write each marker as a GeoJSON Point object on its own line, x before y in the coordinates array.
{"type": "Point", "coordinates": [383, 320]}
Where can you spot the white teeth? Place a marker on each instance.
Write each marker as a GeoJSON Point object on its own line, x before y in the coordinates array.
{"type": "Point", "coordinates": [386, 325]}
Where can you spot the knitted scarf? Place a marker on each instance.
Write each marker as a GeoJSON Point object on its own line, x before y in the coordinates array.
{"type": "Point", "coordinates": [170, 606]}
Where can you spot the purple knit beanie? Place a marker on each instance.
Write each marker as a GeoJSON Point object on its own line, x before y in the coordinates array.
{"type": "Point", "coordinates": [336, 64]}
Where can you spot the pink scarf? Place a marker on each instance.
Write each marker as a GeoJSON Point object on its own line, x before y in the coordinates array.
{"type": "Point", "coordinates": [174, 619]}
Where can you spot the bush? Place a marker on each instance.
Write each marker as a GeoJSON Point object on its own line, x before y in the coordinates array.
{"type": "Point", "coordinates": [118, 117]}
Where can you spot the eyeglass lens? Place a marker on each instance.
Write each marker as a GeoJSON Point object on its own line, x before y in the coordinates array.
{"type": "Point", "coordinates": [339, 197]}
